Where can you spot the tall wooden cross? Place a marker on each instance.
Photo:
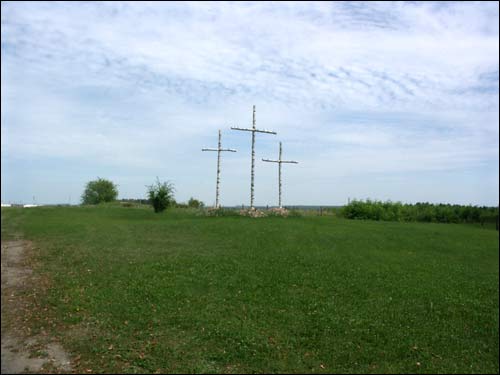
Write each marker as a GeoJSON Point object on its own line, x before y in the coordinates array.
{"type": "Point", "coordinates": [253, 130]}
{"type": "Point", "coordinates": [219, 149]}
{"type": "Point", "coordinates": [279, 161]}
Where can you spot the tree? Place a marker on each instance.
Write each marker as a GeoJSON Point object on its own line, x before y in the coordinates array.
{"type": "Point", "coordinates": [195, 203]}
{"type": "Point", "coordinates": [161, 195]}
{"type": "Point", "coordinates": [98, 191]}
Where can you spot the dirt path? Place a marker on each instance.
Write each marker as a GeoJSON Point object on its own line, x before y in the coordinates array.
{"type": "Point", "coordinates": [22, 352]}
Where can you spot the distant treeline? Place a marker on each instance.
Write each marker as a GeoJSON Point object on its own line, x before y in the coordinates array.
{"type": "Point", "coordinates": [426, 212]}
{"type": "Point", "coordinates": [136, 201]}
{"type": "Point", "coordinates": [192, 203]}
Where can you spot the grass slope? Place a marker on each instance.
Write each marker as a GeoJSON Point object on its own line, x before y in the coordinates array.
{"type": "Point", "coordinates": [141, 292]}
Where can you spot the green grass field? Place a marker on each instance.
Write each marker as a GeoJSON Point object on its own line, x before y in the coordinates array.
{"type": "Point", "coordinates": [175, 292]}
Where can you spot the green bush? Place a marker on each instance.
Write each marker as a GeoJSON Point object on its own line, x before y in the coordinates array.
{"type": "Point", "coordinates": [425, 212]}
{"type": "Point", "coordinates": [99, 191]}
{"type": "Point", "coordinates": [161, 195]}
{"type": "Point", "coordinates": [195, 203]}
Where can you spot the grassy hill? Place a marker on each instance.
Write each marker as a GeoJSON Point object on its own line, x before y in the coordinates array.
{"type": "Point", "coordinates": [134, 291]}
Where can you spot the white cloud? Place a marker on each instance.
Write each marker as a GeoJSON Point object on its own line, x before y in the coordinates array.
{"type": "Point", "coordinates": [378, 87]}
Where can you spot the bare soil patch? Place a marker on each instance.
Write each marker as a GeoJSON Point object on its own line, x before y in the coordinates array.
{"type": "Point", "coordinates": [22, 351]}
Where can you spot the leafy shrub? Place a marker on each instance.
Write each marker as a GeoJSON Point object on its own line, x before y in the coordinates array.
{"type": "Point", "coordinates": [179, 205]}
{"type": "Point", "coordinates": [195, 203]}
{"type": "Point", "coordinates": [161, 195]}
{"type": "Point", "coordinates": [426, 212]}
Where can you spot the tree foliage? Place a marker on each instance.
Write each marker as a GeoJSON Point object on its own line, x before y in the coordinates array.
{"type": "Point", "coordinates": [99, 191]}
{"type": "Point", "coordinates": [195, 203]}
{"type": "Point", "coordinates": [426, 212]}
{"type": "Point", "coordinates": [161, 195]}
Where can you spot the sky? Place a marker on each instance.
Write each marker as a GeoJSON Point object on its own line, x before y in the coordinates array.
{"type": "Point", "coordinates": [384, 101]}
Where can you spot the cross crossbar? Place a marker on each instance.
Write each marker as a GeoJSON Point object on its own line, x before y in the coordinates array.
{"type": "Point", "coordinates": [281, 161]}
{"type": "Point", "coordinates": [218, 149]}
{"type": "Point", "coordinates": [254, 130]}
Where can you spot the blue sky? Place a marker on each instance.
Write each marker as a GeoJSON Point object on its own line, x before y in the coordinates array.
{"type": "Point", "coordinates": [375, 100]}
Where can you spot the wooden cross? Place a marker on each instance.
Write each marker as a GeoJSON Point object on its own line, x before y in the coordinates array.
{"type": "Point", "coordinates": [219, 149]}
{"type": "Point", "coordinates": [279, 161]}
{"type": "Point", "coordinates": [253, 130]}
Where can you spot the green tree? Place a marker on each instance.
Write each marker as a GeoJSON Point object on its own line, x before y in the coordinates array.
{"type": "Point", "coordinates": [195, 203]}
{"type": "Point", "coordinates": [161, 195]}
{"type": "Point", "coordinates": [98, 191]}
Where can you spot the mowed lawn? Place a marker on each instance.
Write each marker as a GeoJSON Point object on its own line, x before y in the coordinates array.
{"type": "Point", "coordinates": [137, 291]}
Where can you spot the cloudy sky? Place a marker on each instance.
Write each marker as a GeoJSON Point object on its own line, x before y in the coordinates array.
{"type": "Point", "coordinates": [392, 101]}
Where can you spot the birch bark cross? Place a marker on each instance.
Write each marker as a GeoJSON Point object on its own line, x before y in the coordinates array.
{"type": "Point", "coordinates": [253, 130]}
{"type": "Point", "coordinates": [219, 149]}
{"type": "Point", "coordinates": [279, 161]}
